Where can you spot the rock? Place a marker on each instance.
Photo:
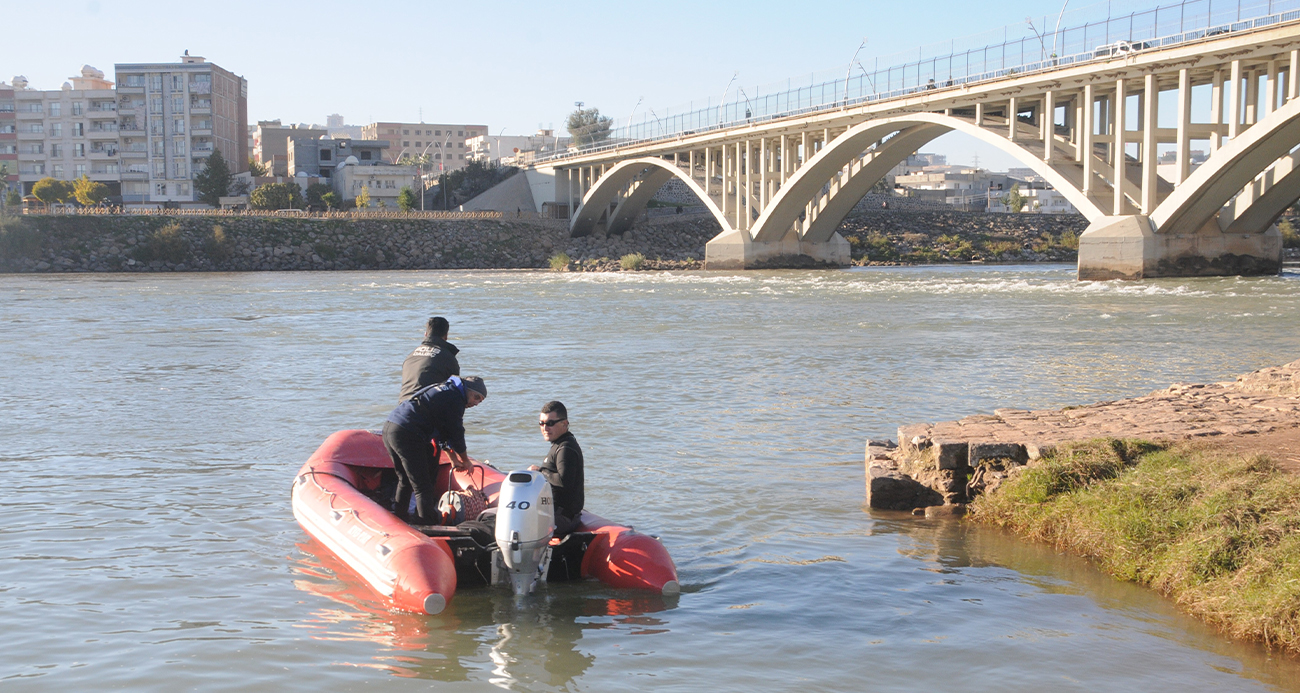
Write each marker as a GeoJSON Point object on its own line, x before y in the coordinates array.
{"type": "Point", "coordinates": [890, 489]}
{"type": "Point", "coordinates": [951, 454]}
{"type": "Point", "coordinates": [947, 510]}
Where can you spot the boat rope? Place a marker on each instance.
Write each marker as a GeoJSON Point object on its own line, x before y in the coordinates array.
{"type": "Point", "coordinates": [311, 473]}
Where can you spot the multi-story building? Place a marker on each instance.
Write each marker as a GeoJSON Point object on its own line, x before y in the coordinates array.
{"type": "Point", "coordinates": [8, 139]}
{"type": "Point", "coordinates": [444, 143]}
{"type": "Point", "coordinates": [507, 150]}
{"type": "Point", "coordinates": [69, 132]}
{"type": "Point", "coordinates": [320, 156]}
{"type": "Point", "coordinates": [171, 117]}
{"type": "Point", "coordinates": [271, 144]}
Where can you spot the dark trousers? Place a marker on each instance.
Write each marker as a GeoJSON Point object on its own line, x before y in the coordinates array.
{"type": "Point", "coordinates": [565, 525]}
{"type": "Point", "coordinates": [414, 461]}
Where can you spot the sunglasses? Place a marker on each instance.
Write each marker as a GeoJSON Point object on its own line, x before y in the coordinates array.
{"type": "Point", "coordinates": [548, 424]}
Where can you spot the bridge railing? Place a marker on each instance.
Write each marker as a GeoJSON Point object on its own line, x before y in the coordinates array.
{"type": "Point", "coordinates": [1110, 38]}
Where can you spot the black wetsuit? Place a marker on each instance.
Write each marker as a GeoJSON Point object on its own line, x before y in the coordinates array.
{"type": "Point", "coordinates": [435, 413]}
{"type": "Point", "coordinates": [563, 469]}
{"type": "Point", "coordinates": [432, 362]}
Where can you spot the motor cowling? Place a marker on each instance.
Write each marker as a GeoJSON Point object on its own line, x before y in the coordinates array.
{"type": "Point", "coordinates": [525, 524]}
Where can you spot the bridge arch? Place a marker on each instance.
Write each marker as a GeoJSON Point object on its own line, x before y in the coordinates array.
{"type": "Point", "coordinates": [913, 131]}
{"type": "Point", "coordinates": [1267, 143]}
{"type": "Point", "coordinates": [649, 175]}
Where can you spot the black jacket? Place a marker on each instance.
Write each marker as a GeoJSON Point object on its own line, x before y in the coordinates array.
{"type": "Point", "coordinates": [563, 469]}
{"type": "Point", "coordinates": [432, 362]}
{"type": "Point", "coordinates": [436, 412]}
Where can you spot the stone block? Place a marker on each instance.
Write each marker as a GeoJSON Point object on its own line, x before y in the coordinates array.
{"type": "Point", "coordinates": [1035, 451]}
{"type": "Point", "coordinates": [914, 438]}
{"type": "Point", "coordinates": [890, 489]}
{"type": "Point", "coordinates": [996, 451]}
{"type": "Point", "coordinates": [951, 454]}
{"type": "Point", "coordinates": [948, 510]}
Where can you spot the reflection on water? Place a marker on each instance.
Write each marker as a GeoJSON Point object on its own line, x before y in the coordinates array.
{"type": "Point", "coordinates": [531, 642]}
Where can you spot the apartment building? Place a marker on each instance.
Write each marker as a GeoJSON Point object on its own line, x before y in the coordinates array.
{"type": "Point", "coordinates": [8, 139]}
{"type": "Point", "coordinates": [69, 132]}
{"type": "Point", "coordinates": [171, 117]}
{"type": "Point", "coordinates": [271, 144]}
{"type": "Point", "coordinates": [443, 142]}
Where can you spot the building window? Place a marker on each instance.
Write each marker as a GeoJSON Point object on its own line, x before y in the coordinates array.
{"type": "Point", "coordinates": [36, 127]}
{"type": "Point", "coordinates": [462, 156]}
{"type": "Point", "coordinates": [160, 169]}
{"type": "Point", "coordinates": [160, 189]}
{"type": "Point", "coordinates": [155, 83]}
{"type": "Point", "coordinates": [158, 147]}
{"type": "Point", "coordinates": [365, 156]}
{"type": "Point", "coordinates": [389, 184]}
{"type": "Point", "coordinates": [406, 132]}
{"type": "Point", "coordinates": [155, 104]}
{"type": "Point", "coordinates": [56, 129]}
{"type": "Point", "coordinates": [56, 109]}
{"type": "Point", "coordinates": [78, 129]}
{"type": "Point", "coordinates": [135, 80]}
{"type": "Point", "coordinates": [178, 146]}
{"type": "Point", "coordinates": [460, 133]}
{"type": "Point", "coordinates": [326, 155]}
{"type": "Point", "coordinates": [182, 188]}
{"type": "Point", "coordinates": [178, 170]}
{"type": "Point", "coordinates": [418, 143]}
{"type": "Point", "coordinates": [437, 155]}
{"type": "Point", "coordinates": [57, 171]}
{"type": "Point", "coordinates": [80, 170]}
{"type": "Point", "coordinates": [76, 108]}
{"type": "Point", "coordinates": [79, 149]}
{"type": "Point", "coordinates": [406, 144]}
{"type": "Point", "coordinates": [56, 150]}
{"type": "Point", "coordinates": [110, 168]}
{"type": "Point", "coordinates": [178, 126]}
{"type": "Point", "coordinates": [178, 83]}
{"type": "Point", "coordinates": [178, 103]}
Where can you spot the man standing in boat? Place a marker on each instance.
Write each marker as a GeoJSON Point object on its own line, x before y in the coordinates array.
{"type": "Point", "coordinates": [435, 413]}
{"type": "Point", "coordinates": [432, 362]}
{"type": "Point", "coordinates": [562, 467]}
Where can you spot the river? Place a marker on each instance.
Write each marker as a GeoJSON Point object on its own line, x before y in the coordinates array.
{"type": "Point", "coordinates": [153, 424]}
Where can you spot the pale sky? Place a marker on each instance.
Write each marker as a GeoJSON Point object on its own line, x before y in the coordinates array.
{"type": "Point", "coordinates": [509, 65]}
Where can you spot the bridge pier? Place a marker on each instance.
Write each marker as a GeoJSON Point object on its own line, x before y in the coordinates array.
{"type": "Point", "coordinates": [735, 249]}
{"type": "Point", "coordinates": [1130, 247]}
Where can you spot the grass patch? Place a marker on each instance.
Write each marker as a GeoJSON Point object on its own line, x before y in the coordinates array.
{"type": "Point", "coordinates": [631, 261]}
{"type": "Point", "coordinates": [1219, 534]}
{"type": "Point", "coordinates": [218, 246]}
{"type": "Point", "coordinates": [560, 262]}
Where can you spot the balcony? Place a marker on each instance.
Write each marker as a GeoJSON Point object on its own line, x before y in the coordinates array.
{"type": "Point", "coordinates": [197, 87]}
{"type": "Point", "coordinates": [130, 88]}
{"type": "Point", "coordinates": [134, 175]}
{"type": "Point", "coordinates": [25, 135]}
{"type": "Point", "coordinates": [25, 114]}
{"type": "Point", "coordinates": [201, 106]}
{"type": "Point", "coordinates": [102, 133]}
{"type": "Point", "coordinates": [102, 154]}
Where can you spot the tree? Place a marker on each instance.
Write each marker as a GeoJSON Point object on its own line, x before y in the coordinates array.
{"type": "Point", "coordinates": [363, 199]}
{"type": "Point", "coordinates": [52, 190]}
{"type": "Point", "coordinates": [276, 196]}
{"type": "Point", "coordinates": [257, 169]}
{"type": "Point", "coordinates": [13, 199]}
{"type": "Point", "coordinates": [406, 199]}
{"type": "Point", "coordinates": [213, 182]}
{"type": "Point", "coordinates": [331, 200]}
{"type": "Point", "coordinates": [88, 192]}
{"type": "Point", "coordinates": [1013, 199]}
{"type": "Point", "coordinates": [587, 126]}
{"type": "Point", "coordinates": [315, 194]}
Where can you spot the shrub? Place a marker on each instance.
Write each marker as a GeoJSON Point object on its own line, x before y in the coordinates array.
{"type": "Point", "coordinates": [314, 198]}
{"type": "Point", "coordinates": [1290, 237]}
{"type": "Point", "coordinates": [560, 262]}
{"type": "Point", "coordinates": [631, 261]}
{"type": "Point", "coordinates": [88, 192]}
{"type": "Point", "coordinates": [51, 190]}
{"type": "Point", "coordinates": [218, 245]}
{"type": "Point", "coordinates": [406, 199]}
{"type": "Point", "coordinates": [17, 240]}
{"type": "Point", "coordinates": [276, 196]}
{"type": "Point", "coordinates": [167, 244]}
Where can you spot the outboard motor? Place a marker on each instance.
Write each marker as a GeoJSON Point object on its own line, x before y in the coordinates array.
{"type": "Point", "coordinates": [525, 523]}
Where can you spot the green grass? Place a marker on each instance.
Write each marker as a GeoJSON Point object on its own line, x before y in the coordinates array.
{"type": "Point", "coordinates": [1218, 533]}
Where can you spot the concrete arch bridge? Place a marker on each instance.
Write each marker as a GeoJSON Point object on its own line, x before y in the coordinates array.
{"type": "Point", "coordinates": [1112, 131]}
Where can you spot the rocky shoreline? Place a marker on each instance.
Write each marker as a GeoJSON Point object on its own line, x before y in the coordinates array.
{"type": "Point", "coordinates": [939, 468]}
{"type": "Point", "coordinates": [240, 244]}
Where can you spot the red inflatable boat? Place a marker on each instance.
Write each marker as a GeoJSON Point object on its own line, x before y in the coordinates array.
{"type": "Point", "coordinates": [419, 569]}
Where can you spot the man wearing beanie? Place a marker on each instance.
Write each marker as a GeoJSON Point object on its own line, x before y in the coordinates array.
{"type": "Point", "coordinates": [432, 419]}
{"type": "Point", "coordinates": [432, 362]}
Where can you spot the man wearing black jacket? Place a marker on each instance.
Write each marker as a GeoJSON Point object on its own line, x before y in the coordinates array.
{"type": "Point", "coordinates": [432, 362]}
{"type": "Point", "coordinates": [562, 467]}
{"type": "Point", "coordinates": [435, 413]}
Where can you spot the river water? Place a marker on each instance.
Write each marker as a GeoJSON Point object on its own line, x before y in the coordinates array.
{"type": "Point", "coordinates": [152, 425]}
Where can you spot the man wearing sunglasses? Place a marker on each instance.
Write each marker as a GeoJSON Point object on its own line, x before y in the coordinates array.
{"type": "Point", "coordinates": [562, 467]}
{"type": "Point", "coordinates": [435, 413]}
{"type": "Point", "coordinates": [432, 362]}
